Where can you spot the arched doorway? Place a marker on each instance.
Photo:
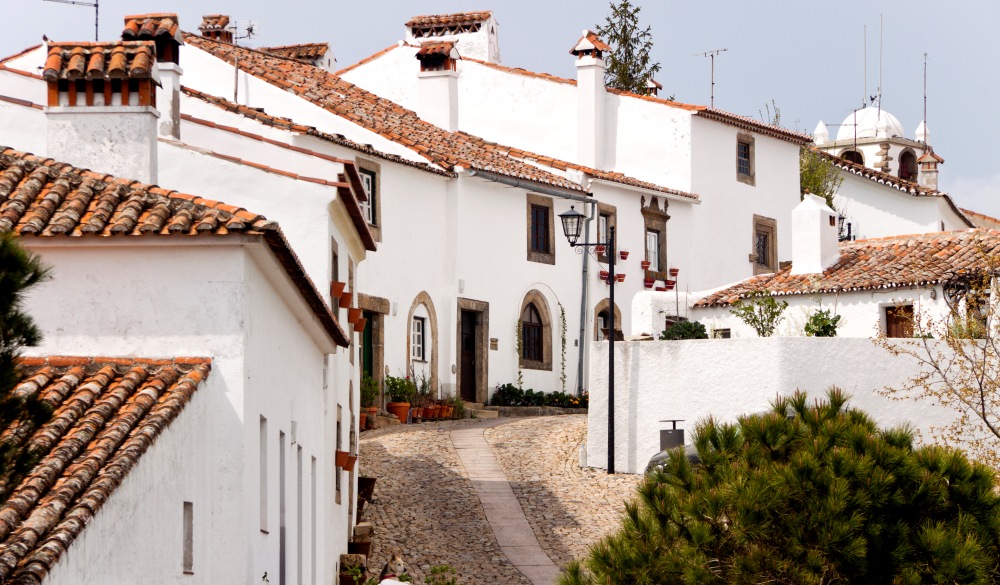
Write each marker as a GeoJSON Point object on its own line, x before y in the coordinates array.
{"type": "Point", "coordinates": [601, 320]}
{"type": "Point", "coordinates": [422, 339]}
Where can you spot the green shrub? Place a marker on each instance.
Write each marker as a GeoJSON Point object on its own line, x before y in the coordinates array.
{"type": "Point", "coordinates": [400, 389]}
{"type": "Point", "coordinates": [507, 395]}
{"type": "Point", "coordinates": [761, 311]}
{"type": "Point", "coordinates": [822, 324]}
{"type": "Point", "coordinates": [369, 390]}
{"type": "Point", "coordinates": [442, 575]}
{"type": "Point", "coordinates": [685, 330]}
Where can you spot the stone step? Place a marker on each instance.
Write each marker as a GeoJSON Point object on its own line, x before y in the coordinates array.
{"type": "Point", "coordinates": [473, 406]}
{"type": "Point", "coordinates": [484, 413]}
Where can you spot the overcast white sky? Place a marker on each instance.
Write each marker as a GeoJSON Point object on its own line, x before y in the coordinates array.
{"type": "Point", "coordinates": [807, 56]}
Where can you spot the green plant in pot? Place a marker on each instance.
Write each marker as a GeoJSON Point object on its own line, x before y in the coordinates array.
{"type": "Point", "coordinates": [369, 396]}
{"type": "Point", "coordinates": [401, 391]}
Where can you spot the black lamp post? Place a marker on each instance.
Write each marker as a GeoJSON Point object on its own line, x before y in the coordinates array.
{"type": "Point", "coordinates": [572, 222]}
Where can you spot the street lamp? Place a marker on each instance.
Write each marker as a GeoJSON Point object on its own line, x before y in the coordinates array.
{"type": "Point", "coordinates": [572, 222]}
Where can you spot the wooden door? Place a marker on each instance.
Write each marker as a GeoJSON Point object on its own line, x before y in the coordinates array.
{"type": "Point", "coordinates": [899, 321]}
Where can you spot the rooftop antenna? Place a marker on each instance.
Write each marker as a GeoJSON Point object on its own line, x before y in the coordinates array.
{"type": "Point", "coordinates": [250, 30]}
{"type": "Point", "coordinates": [925, 89]}
{"type": "Point", "coordinates": [879, 67]}
{"type": "Point", "coordinates": [864, 96]}
{"type": "Point", "coordinates": [97, 12]}
{"type": "Point", "coordinates": [712, 55]}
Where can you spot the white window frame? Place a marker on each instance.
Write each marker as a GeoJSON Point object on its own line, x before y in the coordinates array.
{"type": "Point", "coordinates": [653, 249]}
{"type": "Point", "coordinates": [368, 179]}
{"type": "Point", "coordinates": [602, 227]}
{"type": "Point", "coordinates": [418, 335]}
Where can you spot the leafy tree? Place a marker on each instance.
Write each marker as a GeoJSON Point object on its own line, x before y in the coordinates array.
{"type": "Point", "coordinates": [761, 311]}
{"type": "Point", "coordinates": [808, 494]}
{"type": "Point", "coordinates": [959, 360]}
{"type": "Point", "coordinates": [685, 330]}
{"type": "Point", "coordinates": [19, 415]}
{"type": "Point", "coordinates": [818, 176]}
{"type": "Point", "coordinates": [822, 324]}
{"type": "Point", "coordinates": [628, 65]}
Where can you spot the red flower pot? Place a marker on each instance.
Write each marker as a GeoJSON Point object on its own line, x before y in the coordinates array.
{"type": "Point", "coordinates": [623, 254]}
{"type": "Point", "coordinates": [599, 249]}
{"type": "Point", "coordinates": [674, 272]}
{"type": "Point", "coordinates": [669, 287]}
{"type": "Point", "coordinates": [399, 410]}
{"type": "Point", "coordinates": [661, 288]}
{"type": "Point", "coordinates": [359, 325]}
{"type": "Point", "coordinates": [345, 300]}
{"type": "Point", "coordinates": [604, 275]}
{"type": "Point", "coordinates": [648, 282]}
{"type": "Point", "coordinates": [670, 282]}
{"type": "Point", "coordinates": [620, 277]}
{"type": "Point", "coordinates": [645, 264]}
{"type": "Point", "coordinates": [353, 314]}
{"type": "Point", "coordinates": [337, 289]}
{"type": "Point", "coordinates": [363, 418]}
{"type": "Point", "coordinates": [342, 457]}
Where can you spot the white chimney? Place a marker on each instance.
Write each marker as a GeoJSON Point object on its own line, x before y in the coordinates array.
{"type": "Point", "coordinates": [164, 30]}
{"type": "Point", "coordinates": [477, 32]}
{"type": "Point", "coordinates": [591, 116]}
{"type": "Point", "coordinates": [814, 236]}
{"type": "Point", "coordinates": [101, 111]}
{"type": "Point", "coordinates": [438, 84]}
{"type": "Point", "coordinates": [927, 176]}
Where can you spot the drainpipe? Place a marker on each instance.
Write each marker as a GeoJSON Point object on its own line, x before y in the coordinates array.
{"type": "Point", "coordinates": [585, 270]}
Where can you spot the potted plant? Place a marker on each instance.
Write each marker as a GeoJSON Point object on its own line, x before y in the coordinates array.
{"type": "Point", "coordinates": [421, 397]}
{"type": "Point", "coordinates": [369, 395]}
{"type": "Point", "coordinates": [353, 314]}
{"type": "Point", "coordinates": [645, 264]}
{"type": "Point", "coordinates": [341, 458]}
{"type": "Point", "coordinates": [670, 285]}
{"type": "Point", "coordinates": [400, 391]}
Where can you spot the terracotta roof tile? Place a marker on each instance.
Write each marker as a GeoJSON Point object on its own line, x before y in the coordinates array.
{"type": "Point", "coordinates": [214, 22]}
{"type": "Point", "coordinates": [459, 18]}
{"type": "Point", "coordinates": [883, 263]}
{"type": "Point", "coordinates": [106, 413]}
{"type": "Point", "coordinates": [306, 52]}
{"type": "Point", "coordinates": [150, 26]}
{"type": "Point", "coordinates": [120, 60]}
{"type": "Point", "coordinates": [436, 48]}
{"type": "Point", "coordinates": [445, 149]}
{"type": "Point", "coordinates": [590, 42]}
{"type": "Point", "coordinates": [40, 197]}
{"type": "Point", "coordinates": [981, 220]}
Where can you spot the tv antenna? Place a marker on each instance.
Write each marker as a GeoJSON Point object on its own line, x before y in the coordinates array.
{"type": "Point", "coordinates": [711, 54]}
{"type": "Point", "coordinates": [250, 29]}
{"type": "Point", "coordinates": [96, 5]}
{"type": "Point", "coordinates": [925, 89]}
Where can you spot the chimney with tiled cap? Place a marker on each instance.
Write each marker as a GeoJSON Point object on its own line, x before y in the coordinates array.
{"type": "Point", "coordinates": [475, 31]}
{"type": "Point", "coordinates": [216, 27]}
{"type": "Point", "coordinates": [438, 84]}
{"type": "Point", "coordinates": [165, 33]}
{"type": "Point", "coordinates": [101, 110]}
{"type": "Point", "coordinates": [928, 174]}
{"type": "Point", "coordinates": [591, 108]}
{"type": "Point", "coordinates": [814, 236]}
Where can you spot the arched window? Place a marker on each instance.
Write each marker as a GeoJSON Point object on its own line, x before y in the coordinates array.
{"type": "Point", "coordinates": [531, 334]}
{"type": "Point", "coordinates": [853, 156]}
{"type": "Point", "coordinates": [908, 166]}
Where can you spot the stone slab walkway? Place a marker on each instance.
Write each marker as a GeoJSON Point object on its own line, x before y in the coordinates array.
{"type": "Point", "coordinates": [510, 527]}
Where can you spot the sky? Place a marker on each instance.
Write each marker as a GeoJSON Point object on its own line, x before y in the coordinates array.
{"type": "Point", "coordinates": [806, 56]}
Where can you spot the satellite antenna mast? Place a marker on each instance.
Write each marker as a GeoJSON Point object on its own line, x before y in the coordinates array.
{"type": "Point", "coordinates": [925, 90]}
{"type": "Point", "coordinates": [864, 96]}
{"type": "Point", "coordinates": [712, 55]}
{"type": "Point", "coordinates": [96, 5]}
{"type": "Point", "coordinates": [251, 30]}
{"type": "Point", "coordinates": [879, 66]}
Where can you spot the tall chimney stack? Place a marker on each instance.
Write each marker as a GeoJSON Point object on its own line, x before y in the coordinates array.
{"type": "Point", "coordinates": [165, 33]}
{"type": "Point", "coordinates": [814, 236]}
{"type": "Point", "coordinates": [591, 109]}
{"type": "Point", "coordinates": [438, 83]}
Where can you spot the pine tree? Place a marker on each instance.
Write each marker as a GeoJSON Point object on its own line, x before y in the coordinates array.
{"type": "Point", "coordinates": [812, 494]}
{"type": "Point", "coordinates": [19, 415]}
{"type": "Point", "coordinates": [628, 66]}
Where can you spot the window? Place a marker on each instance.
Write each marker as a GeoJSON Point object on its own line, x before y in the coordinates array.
{"type": "Point", "coordinates": [262, 445]}
{"type": "Point", "coordinates": [853, 156]}
{"type": "Point", "coordinates": [745, 159]}
{"type": "Point", "coordinates": [417, 347]}
{"type": "Point", "coordinates": [368, 207]}
{"type": "Point", "coordinates": [539, 229]}
{"type": "Point", "coordinates": [540, 223]}
{"type": "Point", "coordinates": [531, 334]}
{"type": "Point", "coordinates": [908, 166]}
{"type": "Point", "coordinates": [899, 321]}
{"type": "Point", "coordinates": [603, 222]}
{"type": "Point", "coordinates": [188, 538]}
{"type": "Point", "coordinates": [606, 219]}
{"type": "Point", "coordinates": [337, 471]}
{"type": "Point", "coordinates": [653, 250]}
{"type": "Point", "coordinates": [721, 334]}
{"type": "Point", "coordinates": [603, 325]}
{"type": "Point", "coordinates": [765, 245]}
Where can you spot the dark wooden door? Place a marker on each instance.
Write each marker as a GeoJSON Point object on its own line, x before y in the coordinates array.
{"type": "Point", "coordinates": [467, 385]}
{"type": "Point", "coordinates": [899, 321]}
{"type": "Point", "coordinates": [368, 345]}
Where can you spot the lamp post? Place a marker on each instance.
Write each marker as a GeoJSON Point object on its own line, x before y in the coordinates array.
{"type": "Point", "coordinates": [572, 223]}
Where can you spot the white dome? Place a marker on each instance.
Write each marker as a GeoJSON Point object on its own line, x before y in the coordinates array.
{"type": "Point", "coordinates": [872, 123]}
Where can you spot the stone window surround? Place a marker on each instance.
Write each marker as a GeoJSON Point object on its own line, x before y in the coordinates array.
{"type": "Point", "coordinates": [432, 323]}
{"type": "Point", "coordinates": [603, 306]}
{"type": "Point", "coordinates": [541, 257]}
{"type": "Point", "coordinates": [536, 298]}
{"type": "Point", "coordinates": [751, 179]}
{"type": "Point", "coordinates": [653, 218]}
{"type": "Point", "coordinates": [482, 345]}
{"type": "Point", "coordinates": [769, 226]}
{"type": "Point", "coordinates": [612, 212]}
{"type": "Point", "coordinates": [374, 167]}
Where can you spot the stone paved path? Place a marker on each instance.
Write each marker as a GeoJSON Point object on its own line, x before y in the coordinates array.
{"type": "Point", "coordinates": [441, 500]}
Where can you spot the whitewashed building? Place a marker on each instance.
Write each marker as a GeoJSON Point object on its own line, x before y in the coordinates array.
{"type": "Point", "coordinates": [203, 304]}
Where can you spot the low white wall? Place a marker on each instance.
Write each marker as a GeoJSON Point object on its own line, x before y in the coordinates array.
{"type": "Point", "coordinates": [726, 378]}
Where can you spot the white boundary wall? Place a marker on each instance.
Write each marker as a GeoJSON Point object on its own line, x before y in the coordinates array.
{"type": "Point", "coordinates": [726, 378]}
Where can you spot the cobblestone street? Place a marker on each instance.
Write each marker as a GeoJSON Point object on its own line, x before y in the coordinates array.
{"type": "Point", "coordinates": [426, 507]}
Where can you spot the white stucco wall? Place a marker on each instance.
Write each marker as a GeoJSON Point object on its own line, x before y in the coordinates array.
{"type": "Point", "coordinates": [726, 378]}
{"type": "Point", "coordinates": [876, 210]}
{"type": "Point", "coordinates": [230, 302]}
{"type": "Point", "coordinates": [119, 140]}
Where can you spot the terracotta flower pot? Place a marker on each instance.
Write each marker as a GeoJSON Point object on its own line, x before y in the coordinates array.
{"type": "Point", "coordinates": [648, 282]}
{"type": "Point", "coordinates": [362, 420]}
{"type": "Point", "coordinates": [342, 457]}
{"type": "Point", "coordinates": [599, 249]}
{"type": "Point", "coordinates": [604, 275]}
{"type": "Point", "coordinates": [669, 287]}
{"type": "Point", "coordinates": [337, 289]}
{"type": "Point", "coordinates": [359, 325]}
{"type": "Point", "coordinates": [399, 410]}
{"type": "Point", "coordinates": [674, 272]}
{"type": "Point", "coordinates": [645, 264]}
{"type": "Point", "coordinates": [623, 254]}
{"type": "Point", "coordinates": [351, 460]}
{"type": "Point", "coordinates": [670, 282]}
{"type": "Point", "coordinates": [345, 299]}
{"type": "Point", "coordinates": [353, 314]}
{"type": "Point", "coordinates": [620, 277]}
{"type": "Point", "coordinates": [435, 411]}
{"type": "Point", "coordinates": [661, 288]}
